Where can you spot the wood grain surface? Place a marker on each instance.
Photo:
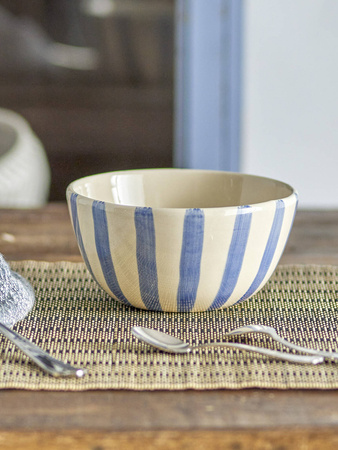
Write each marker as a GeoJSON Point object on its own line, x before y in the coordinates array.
{"type": "Point", "coordinates": [244, 419]}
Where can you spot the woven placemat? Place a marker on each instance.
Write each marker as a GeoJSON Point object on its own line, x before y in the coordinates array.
{"type": "Point", "coordinates": [76, 321]}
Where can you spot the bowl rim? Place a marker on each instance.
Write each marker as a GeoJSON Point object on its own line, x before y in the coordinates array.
{"type": "Point", "coordinates": [289, 199]}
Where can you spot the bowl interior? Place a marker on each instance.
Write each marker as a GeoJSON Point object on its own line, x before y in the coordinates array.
{"type": "Point", "coordinates": [180, 188]}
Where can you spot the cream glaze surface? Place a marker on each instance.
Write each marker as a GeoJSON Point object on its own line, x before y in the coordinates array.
{"type": "Point", "coordinates": [181, 188]}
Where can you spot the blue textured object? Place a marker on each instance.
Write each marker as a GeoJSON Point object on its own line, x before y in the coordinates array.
{"type": "Point", "coordinates": [17, 296]}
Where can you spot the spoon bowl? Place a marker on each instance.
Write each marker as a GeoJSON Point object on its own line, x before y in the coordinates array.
{"type": "Point", "coordinates": [160, 340]}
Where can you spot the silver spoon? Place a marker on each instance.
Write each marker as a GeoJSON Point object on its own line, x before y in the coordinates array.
{"type": "Point", "coordinates": [273, 333]}
{"type": "Point", "coordinates": [41, 358]}
{"type": "Point", "coordinates": [172, 344]}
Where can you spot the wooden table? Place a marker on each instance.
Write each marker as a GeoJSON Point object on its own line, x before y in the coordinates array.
{"type": "Point", "coordinates": [244, 419]}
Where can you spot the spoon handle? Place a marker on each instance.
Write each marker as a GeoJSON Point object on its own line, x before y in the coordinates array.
{"type": "Point", "coordinates": [271, 332]}
{"type": "Point", "coordinates": [302, 359]}
{"type": "Point", "coordinates": [41, 358]}
{"type": "Point", "coordinates": [310, 351]}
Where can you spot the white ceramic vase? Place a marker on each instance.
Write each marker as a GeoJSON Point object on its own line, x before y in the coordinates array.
{"type": "Point", "coordinates": [24, 169]}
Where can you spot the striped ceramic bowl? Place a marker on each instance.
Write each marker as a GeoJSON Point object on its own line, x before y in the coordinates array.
{"type": "Point", "coordinates": [181, 239]}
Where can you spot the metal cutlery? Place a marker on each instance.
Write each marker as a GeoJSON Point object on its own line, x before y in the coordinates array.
{"type": "Point", "coordinates": [273, 334]}
{"type": "Point", "coordinates": [43, 359]}
{"type": "Point", "coordinates": [172, 344]}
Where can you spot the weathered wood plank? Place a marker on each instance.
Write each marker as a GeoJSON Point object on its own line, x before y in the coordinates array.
{"type": "Point", "coordinates": [313, 239]}
{"type": "Point", "coordinates": [129, 411]}
{"type": "Point", "coordinates": [41, 234]}
{"type": "Point", "coordinates": [167, 440]}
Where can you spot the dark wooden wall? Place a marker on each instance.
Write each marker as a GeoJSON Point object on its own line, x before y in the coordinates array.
{"type": "Point", "coordinates": [117, 116]}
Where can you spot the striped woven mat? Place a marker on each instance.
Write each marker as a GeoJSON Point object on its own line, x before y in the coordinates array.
{"type": "Point", "coordinates": [76, 321]}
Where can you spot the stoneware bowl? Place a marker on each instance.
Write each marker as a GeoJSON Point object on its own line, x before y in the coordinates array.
{"type": "Point", "coordinates": [181, 239]}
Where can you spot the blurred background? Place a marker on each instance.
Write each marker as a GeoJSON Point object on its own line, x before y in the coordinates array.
{"type": "Point", "coordinates": [290, 96]}
{"type": "Point", "coordinates": [97, 82]}
{"type": "Point", "coordinates": [94, 79]}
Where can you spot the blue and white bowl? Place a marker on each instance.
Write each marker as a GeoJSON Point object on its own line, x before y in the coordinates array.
{"type": "Point", "coordinates": [181, 239]}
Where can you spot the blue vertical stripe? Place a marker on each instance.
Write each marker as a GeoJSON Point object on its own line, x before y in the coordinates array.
{"type": "Point", "coordinates": [103, 250]}
{"type": "Point", "coordinates": [269, 249]}
{"type": "Point", "coordinates": [76, 226]}
{"type": "Point", "coordinates": [146, 258]}
{"type": "Point", "coordinates": [235, 256]}
{"type": "Point", "coordinates": [190, 263]}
